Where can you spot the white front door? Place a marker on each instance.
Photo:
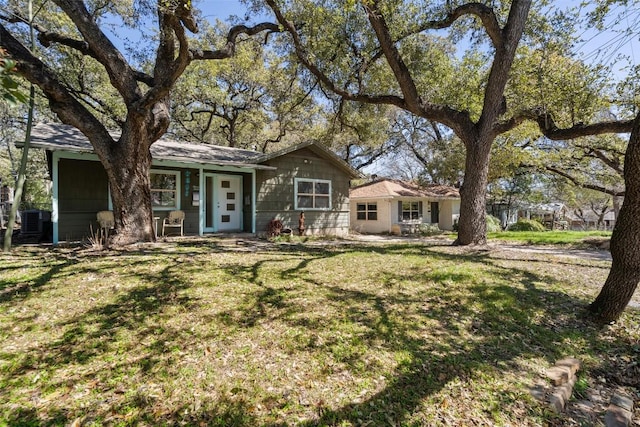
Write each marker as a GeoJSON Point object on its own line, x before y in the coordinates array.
{"type": "Point", "coordinates": [228, 200]}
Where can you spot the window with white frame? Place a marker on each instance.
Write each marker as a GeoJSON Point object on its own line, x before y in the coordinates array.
{"type": "Point", "coordinates": [312, 194]}
{"type": "Point", "coordinates": [367, 211]}
{"type": "Point", "coordinates": [410, 210]}
{"type": "Point", "coordinates": [165, 189]}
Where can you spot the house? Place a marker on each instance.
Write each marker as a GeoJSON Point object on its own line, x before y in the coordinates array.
{"type": "Point", "coordinates": [220, 189]}
{"type": "Point", "coordinates": [380, 204]}
{"type": "Point", "coordinates": [587, 219]}
{"type": "Point", "coordinates": [551, 215]}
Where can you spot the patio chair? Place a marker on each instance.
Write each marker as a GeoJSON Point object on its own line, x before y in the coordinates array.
{"type": "Point", "coordinates": [106, 221]}
{"type": "Point", "coordinates": [174, 219]}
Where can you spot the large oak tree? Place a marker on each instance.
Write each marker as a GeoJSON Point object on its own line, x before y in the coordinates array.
{"type": "Point", "coordinates": [144, 93]}
{"type": "Point", "coordinates": [375, 38]}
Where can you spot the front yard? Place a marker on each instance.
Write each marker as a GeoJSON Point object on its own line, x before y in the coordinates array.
{"type": "Point", "coordinates": [249, 333]}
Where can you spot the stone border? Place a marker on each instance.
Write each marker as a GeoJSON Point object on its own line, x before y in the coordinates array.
{"type": "Point", "coordinates": [619, 412]}
{"type": "Point", "coordinates": [563, 377]}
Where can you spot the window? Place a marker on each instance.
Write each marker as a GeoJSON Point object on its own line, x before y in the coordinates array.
{"type": "Point", "coordinates": [410, 210]}
{"type": "Point", "coordinates": [312, 194]}
{"type": "Point", "coordinates": [164, 190]}
{"type": "Point", "coordinates": [367, 211]}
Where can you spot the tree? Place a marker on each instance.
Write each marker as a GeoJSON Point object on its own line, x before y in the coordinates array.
{"type": "Point", "coordinates": [376, 39]}
{"type": "Point", "coordinates": [595, 164]}
{"type": "Point", "coordinates": [439, 153]}
{"type": "Point", "coordinates": [145, 93]}
{"type": "Point", "coordinates": [8, 85]}
{"type": "Point", "coordinates": [253, 100]}
{"type": "Point", "coordinates": [624, 275]}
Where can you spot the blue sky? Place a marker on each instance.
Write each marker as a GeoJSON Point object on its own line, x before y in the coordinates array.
{"type": "Point", "coordinates": [604, 45]}
{"type": "Point", "coordinates": [597, 45]}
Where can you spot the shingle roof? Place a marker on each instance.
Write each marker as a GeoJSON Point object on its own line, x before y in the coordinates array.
{"type": "Point", "coordinates": [391, 188]}
{"type": "Point", "coordinates": [68, 138]}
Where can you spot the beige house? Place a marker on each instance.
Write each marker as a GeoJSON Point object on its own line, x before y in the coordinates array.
{"type": "Point", "coordinates": [382, 205]}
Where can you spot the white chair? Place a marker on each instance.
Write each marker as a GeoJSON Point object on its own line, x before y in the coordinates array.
{"type": "Point", "coordinates": [106, 221]}
{"type": "Point", "coordinates": [174, 219]}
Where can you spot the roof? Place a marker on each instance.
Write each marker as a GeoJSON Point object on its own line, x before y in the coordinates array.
{"type": "Point", "coordinates": [318, 149]}
{"type": "Point", "coordinates": [589, 215]}
{"type": "Point", "coordinates": [59, 137]}
{"type": "Point", "coordinates": [390, 188]}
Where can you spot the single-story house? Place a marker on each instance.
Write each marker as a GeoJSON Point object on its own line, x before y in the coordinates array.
{"type": "Point", "coordinates": [220, 189]}
{"type": "Point", "coordinates": [382, 203]}
{"type": "Point", "coordinates": [589, 220]}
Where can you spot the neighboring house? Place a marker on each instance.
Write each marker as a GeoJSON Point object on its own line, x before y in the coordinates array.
{"type": "Point", "coordinates": [552, 215]}
{"type": "Point", "coordinates": [505, 212]}
{"type": "Point", "coordinates": [589, 220]}
{"type": "Point", "coordinates": [220, 189]}
{"type": "Point", "coordinates": [379, 205]}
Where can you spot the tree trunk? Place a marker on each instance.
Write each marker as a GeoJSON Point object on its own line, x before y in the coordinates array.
{"type": "Point", "coordinates": [128, 167]}
{"type": "Point", "coordinates": [624, 275]}
{"type": "Point", "coordinates": [131, 197]}
{"type": "Point", "coordinates": [472, 226]}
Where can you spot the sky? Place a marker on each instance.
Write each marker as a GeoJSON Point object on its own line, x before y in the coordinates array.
{"type": "Point", "coordinates": [597, 45]}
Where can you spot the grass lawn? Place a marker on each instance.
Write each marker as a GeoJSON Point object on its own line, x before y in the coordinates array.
{"type": "Point", "coordinates": [578, 238]}
{"type": "Point", "coordinates": [246, 333]}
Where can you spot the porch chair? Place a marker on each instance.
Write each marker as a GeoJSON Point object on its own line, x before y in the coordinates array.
{"type": "Point", "coordinates": [174, 219]}
{"type": "Point", "coordinates": [106, 221]}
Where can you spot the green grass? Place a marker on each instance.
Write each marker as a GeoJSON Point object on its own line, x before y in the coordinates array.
{"type": "Point", "coordinates": [549, 237]}
{"type": "Point", "coordinates": [226, 333]}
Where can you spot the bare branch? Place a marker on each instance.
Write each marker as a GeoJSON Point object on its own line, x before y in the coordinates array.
{"type": "Point", "coordinates": [229, 49]}
{"type": "Point", "coordinates": [483, 12]}
{"type": "Point", "coordinates": [122, 77]}
{"type": "Point", "coordinates": [549, 129]}
{"type": "Point", "coordinates": [46, 38]}
{"type": "Point", "coordinates": [392, 55]}
{"type": "Point", "coordinates": [580, 183]}
{"type": "Point", "coordinates": [68, 109]}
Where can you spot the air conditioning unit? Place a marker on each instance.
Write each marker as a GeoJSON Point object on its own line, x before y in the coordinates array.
{"type": "Point", "coordinates": [33, 221]}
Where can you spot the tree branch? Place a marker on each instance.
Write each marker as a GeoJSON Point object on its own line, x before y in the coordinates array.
{"type": "Point", "coordinates": [549, 129]}
{"type": "Point", "coordinates": [579, 183]}
{"type": "Point", "coordinates": [303, 57]}
{"type": "Point", "coordinates": [229, 48]}
{"type": "Point", "coordinates": [483, 12]}
{"type": "Point", "coordinates": [121, 75]}
{"type": "Point", "coordinates": [392, 55]}
{"type": "Point", "coordinates": [46, 38]}
{"type": "Point", "coordinates": [68, 109]}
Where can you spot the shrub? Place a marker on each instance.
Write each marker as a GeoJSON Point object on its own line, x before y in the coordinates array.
{"type": "Point", "coordinates": [526, 225]}
{"type": "Point", "coordinates": [493, 224]}
{"type": "Point", "coordinates": [429, 229]}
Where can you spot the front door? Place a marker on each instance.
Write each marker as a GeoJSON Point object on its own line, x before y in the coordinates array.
{"type": "Point", "coordinates": [228, 197]}
{"type": "Point", "coordinates": [223, 203]}
{"type": "Point", "coordinates": [435, 213]}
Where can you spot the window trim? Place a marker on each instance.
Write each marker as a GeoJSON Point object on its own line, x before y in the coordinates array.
{"type": "Point", "coordinates": [367, 211]}
{"type": "Point", "coordinates": [419, 210]}
{"type": "Point", "coordinates": [178, 175]}
{"type": "Point", "coordinates": [313, 181]}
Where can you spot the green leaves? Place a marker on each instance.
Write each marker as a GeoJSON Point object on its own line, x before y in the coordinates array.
{"type": "Point", "coordinates": [9, 87]}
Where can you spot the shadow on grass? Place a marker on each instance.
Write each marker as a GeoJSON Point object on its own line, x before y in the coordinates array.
{"type": "Point", "coordinates": [485, 326]}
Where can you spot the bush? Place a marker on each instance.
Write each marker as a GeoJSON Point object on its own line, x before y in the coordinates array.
{"type": "Point", "coordinates": [527, 225]}
{"type": "Point", "coordinates": [493, 224]}
{"type": "Point", "coordinates": [429, 229]}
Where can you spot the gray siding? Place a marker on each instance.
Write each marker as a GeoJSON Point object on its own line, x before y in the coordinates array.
{"type": "Point", "coordinates": [83, 191]}
{"type": "Point", "coordinates": [275, 194]}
